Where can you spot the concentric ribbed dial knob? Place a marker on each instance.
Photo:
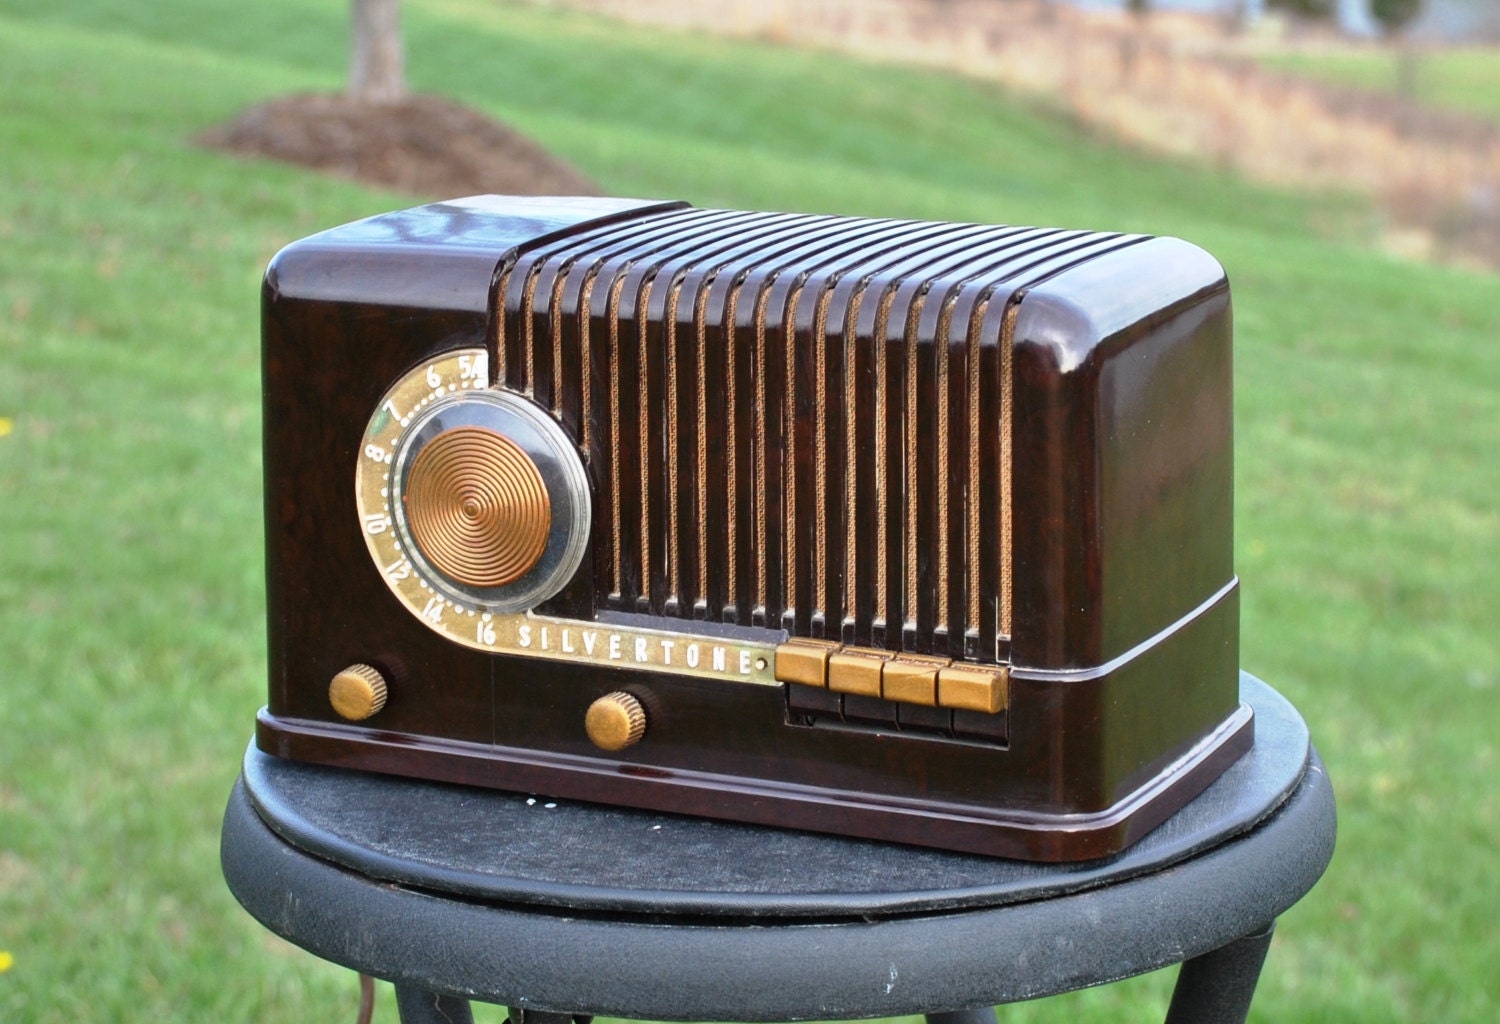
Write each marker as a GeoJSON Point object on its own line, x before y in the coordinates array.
{"type": "Point", "coordinates": [478, 507]}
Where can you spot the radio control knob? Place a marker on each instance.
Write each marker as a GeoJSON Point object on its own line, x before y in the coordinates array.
{"type": "Point", "coordinates": [615, 721]}
{"type": "Point", "coordinates": [478, 507]}
{"type": "Point", "coordinates": [357, 693]}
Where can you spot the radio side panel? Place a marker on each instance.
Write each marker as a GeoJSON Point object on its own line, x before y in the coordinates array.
{"type": "Point", "coordinates": [1124, 502]}
{"type": "Point", "coordinates": [1123, 476]}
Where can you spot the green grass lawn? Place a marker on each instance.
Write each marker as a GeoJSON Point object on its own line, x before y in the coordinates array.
{"type": "Point", "coordinates": [130, 534]}
{"type": "Point", "coordinates": [1465, 80]}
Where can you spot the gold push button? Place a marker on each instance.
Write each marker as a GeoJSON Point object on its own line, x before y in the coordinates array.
{"type": "Point", "coordinates": [804, 661]}
{"type": "Point", "coordinates": [974, 687]}
{"type": "Point", "coordinates": [854, 670]}
{"type": "Point", "coordinates": [357, 693]}
{"type": "Point", "coordinates": [615, 721]}
{"type": "Point", "coordinates": [913, 678]}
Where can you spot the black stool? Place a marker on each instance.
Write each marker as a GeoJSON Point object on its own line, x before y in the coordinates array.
{"type": "Point", "coordinates": [565, 909]}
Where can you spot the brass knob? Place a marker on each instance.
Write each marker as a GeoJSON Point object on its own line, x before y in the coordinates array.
{"type": "Point", "coordinates": [478, 507]}
{"type": "Point", "coordinates": [357, 692]}
{"type": "Point", "coordinates": [615, 721]}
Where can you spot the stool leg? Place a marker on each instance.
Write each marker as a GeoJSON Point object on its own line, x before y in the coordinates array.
{"type": "Point", "coordinates": [983, 1015]}
{"type": "Point", "coordinates": [419, 1006]}
{"type": "Point", "coordinates": [1216, 988]}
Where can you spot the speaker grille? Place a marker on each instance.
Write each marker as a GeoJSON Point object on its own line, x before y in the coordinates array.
{"type": "Point", "coordinates": [791, 421]}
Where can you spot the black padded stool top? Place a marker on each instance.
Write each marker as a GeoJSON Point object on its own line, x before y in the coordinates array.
{"type": "Point", "coordinates": [573, 907]}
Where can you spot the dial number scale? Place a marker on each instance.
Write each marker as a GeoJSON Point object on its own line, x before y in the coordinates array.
{"type": "Point", "coordinates": [393, 549]}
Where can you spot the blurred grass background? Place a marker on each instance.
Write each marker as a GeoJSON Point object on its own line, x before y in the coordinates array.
{"type": "Point", "coordinates": [131, 632]}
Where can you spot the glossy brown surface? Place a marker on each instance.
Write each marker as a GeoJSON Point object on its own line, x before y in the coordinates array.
{"type": "Point", "coordinates": [1007, 447]}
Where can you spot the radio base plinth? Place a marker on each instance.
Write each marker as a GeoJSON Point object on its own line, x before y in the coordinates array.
{"type": "Point", "coordinates": [1036, 836]}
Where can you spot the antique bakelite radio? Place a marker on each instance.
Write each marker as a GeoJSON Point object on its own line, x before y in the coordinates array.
{"type": "Point", "coordinates": [910, 531]}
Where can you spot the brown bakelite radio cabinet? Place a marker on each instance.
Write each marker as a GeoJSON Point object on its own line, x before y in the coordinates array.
{"type": "Point", "coordinates": [911, 531]}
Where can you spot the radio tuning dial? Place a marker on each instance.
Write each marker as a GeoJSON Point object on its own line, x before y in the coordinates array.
{"type": "Point", "coordinates": [615, 721]}
{"type": "Point", "coordinates": [473, 500]}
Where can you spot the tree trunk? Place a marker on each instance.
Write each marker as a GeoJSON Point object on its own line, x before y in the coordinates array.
{"type": "Point", "coordinates": [377, 69]}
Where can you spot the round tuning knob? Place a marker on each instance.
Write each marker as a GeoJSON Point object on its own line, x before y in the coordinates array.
{"type": "Point", "coordinates": [478, 507]}
{"type": "Point", "coordinates": [615, 721]}
{"type": "Point", "coordinates": [357, 693]}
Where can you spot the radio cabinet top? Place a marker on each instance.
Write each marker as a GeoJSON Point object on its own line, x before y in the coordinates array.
{"type": "Point", "coordinates": [905, 530]}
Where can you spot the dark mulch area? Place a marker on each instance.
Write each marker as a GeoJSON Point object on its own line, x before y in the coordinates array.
{"type": "Point", "coordinates": [424, 145]}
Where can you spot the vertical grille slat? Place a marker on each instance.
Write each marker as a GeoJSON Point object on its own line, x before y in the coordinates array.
{"type": "Point", "coordinates": [790, 421]}
{"type": "Point", "coordinates": [567, 364]}
{"type": "Point", "coordinates": [857, 476]}
{"type": "Point", "coordinates": [626, 453]}
{"type": "Point", "coordinates": [738, 459]}
{"type": "Point", "coordinates": [889, 456]}
{"type": "Point", "coordinates": [827, 486]}
{"type": "Point", "coordinates": [598, 418]}
{"type": "Point", "coordinates": [796, 519]}
{"type": "Point", "coordinates": [765, 439]}
{"type": "Point", "coordinates": [919, 473]}
{"type": "Point", "coordinates": [713, 491]}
